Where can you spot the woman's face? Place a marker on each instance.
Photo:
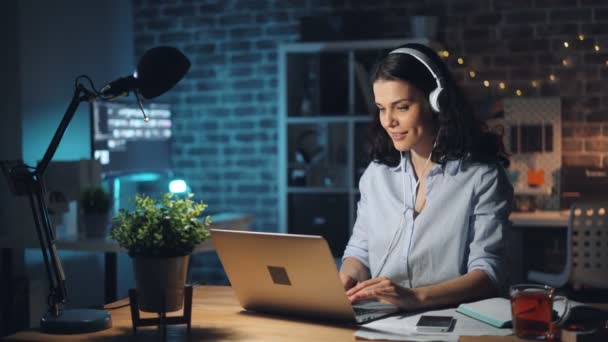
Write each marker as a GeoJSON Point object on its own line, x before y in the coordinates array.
{"type": "Point", "coordinates": [405, 114]}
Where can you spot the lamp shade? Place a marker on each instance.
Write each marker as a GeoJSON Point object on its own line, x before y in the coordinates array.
{"type": "Point", "coordinates": [159, 69]}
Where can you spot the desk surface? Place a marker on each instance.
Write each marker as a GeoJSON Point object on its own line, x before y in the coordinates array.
{"type": "Point", "coordinates": [541, 219]}
{"type": "Point", "coordinates": [217, 316]}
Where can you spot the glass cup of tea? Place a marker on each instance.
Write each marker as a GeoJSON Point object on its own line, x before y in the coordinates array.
{"type": "Point", "coordinates": [532, 311]}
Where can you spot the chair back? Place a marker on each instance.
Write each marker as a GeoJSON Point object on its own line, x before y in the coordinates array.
{"type": "Point", "coordinates": [588, 232]}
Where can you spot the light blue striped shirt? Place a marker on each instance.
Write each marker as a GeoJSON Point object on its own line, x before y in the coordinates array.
{"type": "Point", "coordinates": [461, 228]}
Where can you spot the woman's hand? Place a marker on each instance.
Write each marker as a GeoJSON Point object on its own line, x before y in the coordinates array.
{"type": "Point", "coordinates": [382, 288]}
{"type": "Point", "coordinates": [351, 272]}
{"type": "Point", "coordinates": [347, 281]}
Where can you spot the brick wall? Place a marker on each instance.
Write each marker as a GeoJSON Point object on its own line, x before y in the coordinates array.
{"type": "Point", "coordinates": [226, 107]}
{"type": "Point", "coordinates": [523, 41]}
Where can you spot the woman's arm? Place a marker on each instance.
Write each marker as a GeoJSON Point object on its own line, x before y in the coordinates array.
{"type": "Point", "coordinates": [468, 287]}
{"type": "Point", "coordinates": [355, 262]}
{"type": "Point", "coordinates": [352, 272]}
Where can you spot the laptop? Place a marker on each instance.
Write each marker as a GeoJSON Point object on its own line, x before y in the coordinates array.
{"type": "Point", "coordinates": [288, 274]}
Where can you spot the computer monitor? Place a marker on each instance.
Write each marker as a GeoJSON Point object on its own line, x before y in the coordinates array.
{"type": "Point", "coordinates": [125, 144]}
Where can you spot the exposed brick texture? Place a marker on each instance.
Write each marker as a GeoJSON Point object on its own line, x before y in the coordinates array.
{"type": "Point", "coordinates": [226, 107]}
{"type": "Point", "coordinates": [578, 159]}
{"type": "Point", "coordinates": [572, 145]}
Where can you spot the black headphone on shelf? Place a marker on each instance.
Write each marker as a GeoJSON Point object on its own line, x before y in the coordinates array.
{"type": "Point", "coordinates": [437, 96]}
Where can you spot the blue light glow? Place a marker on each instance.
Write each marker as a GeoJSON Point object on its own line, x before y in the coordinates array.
{"type": "Point", "coordinates": [178, 186]}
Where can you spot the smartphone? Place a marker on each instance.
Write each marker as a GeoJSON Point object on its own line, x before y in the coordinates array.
{"type": "Point", "coordinates": [435, 323]}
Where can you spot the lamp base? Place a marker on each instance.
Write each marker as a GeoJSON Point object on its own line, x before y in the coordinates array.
{"type": "Point", "coordinates": [76, 321]}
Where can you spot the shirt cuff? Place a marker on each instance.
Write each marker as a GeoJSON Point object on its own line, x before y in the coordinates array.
{"type": "Point", "coordinates": [489, 270]}
{"type": "Point", "coordinates": [357, 253]}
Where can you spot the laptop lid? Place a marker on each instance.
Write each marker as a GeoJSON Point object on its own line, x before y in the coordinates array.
{"type": "Point", "coordinates": [283, 273]}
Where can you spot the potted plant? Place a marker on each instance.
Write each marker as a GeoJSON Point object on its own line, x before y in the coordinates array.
{"type": "Point", "coordinates": [95, 207]}
{"type": "Point", "coordinates": [159, 236]}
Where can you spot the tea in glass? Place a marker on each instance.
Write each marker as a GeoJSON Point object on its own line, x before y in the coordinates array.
{"type": "Point", "coordinates": [532, 308]}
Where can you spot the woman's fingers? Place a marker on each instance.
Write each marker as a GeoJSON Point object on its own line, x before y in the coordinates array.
{"type": "Point", "coordinates": [372, 288]}
{"type": "Point", "coordinates": [389, 299]}
{"type": "Point", "coordinates": [383, 289]}
{"type": "Point", "coordinates": [363, 285]}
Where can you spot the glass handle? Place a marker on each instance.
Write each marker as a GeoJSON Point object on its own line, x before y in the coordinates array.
{"type": "Point", "coordinates": [566, 313]}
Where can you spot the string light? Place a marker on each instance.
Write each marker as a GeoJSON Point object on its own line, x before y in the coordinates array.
{"type": "Point", "coordinates": [566, 62]}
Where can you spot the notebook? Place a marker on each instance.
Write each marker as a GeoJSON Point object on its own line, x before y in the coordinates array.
{"type": "Point", "coordinates": [289, 274]}
{"type": "Point", "coordinates": [494, 311]}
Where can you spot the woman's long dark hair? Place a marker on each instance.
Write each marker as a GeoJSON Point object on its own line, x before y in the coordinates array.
{"type": "Point", "coordinates": [460, 134]}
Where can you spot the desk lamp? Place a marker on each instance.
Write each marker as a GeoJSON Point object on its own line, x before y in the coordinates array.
{"type": "Point", "coordinates": [159, 69]}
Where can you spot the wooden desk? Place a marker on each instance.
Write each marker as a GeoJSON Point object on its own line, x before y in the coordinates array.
{"type": "Point", "coordinates": [217, 316]}
{"type": "Point", "coordinates": [540, 219]}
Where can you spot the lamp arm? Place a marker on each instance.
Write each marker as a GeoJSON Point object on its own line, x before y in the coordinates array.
{"type": "Point", "coordinates": [36, 191]}
{"type": "Point", "coordinates": [58, 292]}
{"type": "Point", "coordinates": [81, 94]}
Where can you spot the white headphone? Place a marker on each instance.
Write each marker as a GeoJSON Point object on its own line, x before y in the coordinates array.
{"type": "Point", "coordinates": [435, 97]}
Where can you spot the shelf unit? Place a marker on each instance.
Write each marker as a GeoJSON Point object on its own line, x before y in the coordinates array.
{"type": "Point", "coordinates": [325, 98]}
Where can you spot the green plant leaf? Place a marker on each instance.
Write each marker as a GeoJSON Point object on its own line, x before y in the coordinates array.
{"type": "Point", "coordinates": [171, 226]}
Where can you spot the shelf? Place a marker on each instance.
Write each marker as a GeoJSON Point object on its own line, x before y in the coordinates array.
{"type": "Point", "coordinates": [532, 191]}
{"type": "Point", "coordinates": [327, 119]}
{"type": "Point", "coordinates": [376, 44]}
{"type": "Point", "coordinates": [318, 190]}
{"type": "Point", "coordinates": [541, 219]}
{"type": "Point", "coordinates": [321, 215]}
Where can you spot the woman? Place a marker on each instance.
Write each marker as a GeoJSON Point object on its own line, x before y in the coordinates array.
{"type": "Point", "coordinates": [435, 200]}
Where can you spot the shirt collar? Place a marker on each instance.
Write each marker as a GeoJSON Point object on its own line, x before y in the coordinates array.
{"type": "Point", "coordinates": [450, 167]}
{"type": "Point", "coordinates": [403, 161]}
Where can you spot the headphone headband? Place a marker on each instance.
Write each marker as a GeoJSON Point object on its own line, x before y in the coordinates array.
{"type": "Point", "coordinates": [425, 60]}
{"type": "Point", "coordinates": [436, 95]}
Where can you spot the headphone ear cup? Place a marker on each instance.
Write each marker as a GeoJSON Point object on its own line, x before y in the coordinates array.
{"type": "Point", "coordinates": [436, 99]}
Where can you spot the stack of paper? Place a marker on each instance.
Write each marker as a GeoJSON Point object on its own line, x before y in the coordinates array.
{"type": "Point", "coordinates": [402, 328]}
{"type": "Point", "coordinates": [488, 317]}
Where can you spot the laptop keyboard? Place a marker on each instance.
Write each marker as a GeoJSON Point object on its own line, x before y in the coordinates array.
{"type": "Point", "coordinates": [364, 311]}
